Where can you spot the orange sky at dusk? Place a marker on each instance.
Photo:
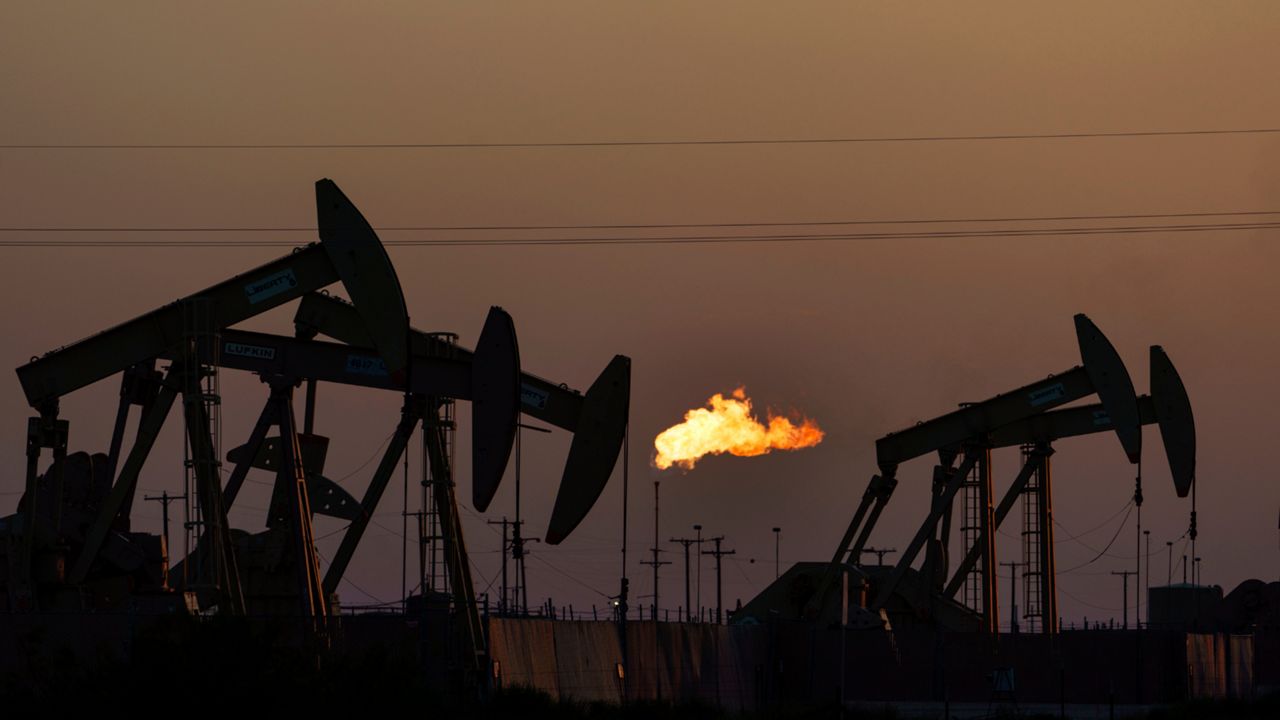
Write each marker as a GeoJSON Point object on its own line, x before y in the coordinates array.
{"type": "Point", "coordinates": [864, 336]}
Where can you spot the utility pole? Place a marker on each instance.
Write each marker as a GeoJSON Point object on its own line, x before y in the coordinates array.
{"type": "Point", "coordinates": [1169, 544]}
{"type": "Point", "coordinates": [777, 549]}
{"type": "Point", "coordinates": [1137, 570]}
{"type": "Point", "coordinates": [718, 553]}
{"type": "Point", "coordinates": [1124, 624]}
{"type": "Point", "coordinates": [655, 562]}
{"type": "Point", "coordinates": [879, 553]}
{"type": "Point", "coordinates": [520, 593]}
{"type": "Point", "coordinates": [1013, 594]}
{"type": "Point", "coordinates": [698, 579]}
{"type": "Point", "coordinates": [164, 499]}
{"type": "Point", "coordinates": [1147, 580]}
{"type": "Point", "coordinates": [624, 582]}
{"type": "Point", "coordinates": [686, 542]}
{"type": "Point", "coordinates": [504, 522]}
{"type": "Point", "coordinates": [521, 599]}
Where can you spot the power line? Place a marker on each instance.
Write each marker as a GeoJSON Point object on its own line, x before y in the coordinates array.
{"type": "Point", "coordinates": [641, 143]}
{"type": "Point", "coordinates": [648, 226]}
{"type": "Point", "coordinates": [680, 240]}
{"type": "Point", "coordinates": [1104, 550]}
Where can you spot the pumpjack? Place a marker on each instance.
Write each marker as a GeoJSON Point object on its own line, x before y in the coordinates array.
{"type": "Point", "coordinates": [1026, 418]}
{"type": "Point", "coordinates": [69, 546]}
{"type": "Point", "coordinates": [348, 251]}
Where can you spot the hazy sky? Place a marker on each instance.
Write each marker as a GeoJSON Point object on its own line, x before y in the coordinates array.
{"type": "Point", "coordinates": [864, 336]}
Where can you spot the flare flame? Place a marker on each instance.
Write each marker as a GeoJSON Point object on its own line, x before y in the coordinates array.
{"type": "Point", "coordinates": [728, 426]}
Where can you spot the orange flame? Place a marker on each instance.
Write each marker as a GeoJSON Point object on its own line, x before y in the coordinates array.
{"type": "Point", "coordinates": [729, 427]}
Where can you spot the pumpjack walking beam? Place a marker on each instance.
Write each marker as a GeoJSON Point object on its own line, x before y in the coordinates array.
{"type": "Point", "coordinates": [348, 251]}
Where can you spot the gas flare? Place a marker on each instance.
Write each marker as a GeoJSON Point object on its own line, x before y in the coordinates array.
{"type": "Point", "coordinates": [728, 426]}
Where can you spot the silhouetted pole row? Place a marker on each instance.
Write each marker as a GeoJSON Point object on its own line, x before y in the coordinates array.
{"type": "Point", "coordinates": [1124, 623]}
{"type": "Point", "coordinates": [655, 562]}
{"type": "Point", "coordinates": [718, 554]}
{"type": "Point", "coordinates": [686, 542]}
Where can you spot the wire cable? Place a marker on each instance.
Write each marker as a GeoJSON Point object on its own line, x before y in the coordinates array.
{"type": "Point", "coordinates": [683, 240]}
{"type": "Point", "coordinates": [654, 226]}
{"type": "Point", "coordinates": [1105, 549]}
{"type": "Point", "coordinates": [647, 143]}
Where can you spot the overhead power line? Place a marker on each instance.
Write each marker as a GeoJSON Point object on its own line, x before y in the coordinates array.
{"type": "Point", "coordinates": [681, 240]}
{"type": "Point", "coordinates": [641, 143]}
{"type": "Point", "coordinates": [643, 226]}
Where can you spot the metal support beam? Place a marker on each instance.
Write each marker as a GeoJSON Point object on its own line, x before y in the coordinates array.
{"type": "Point", "coordinates": [874, 498]}
{"type": "Point", "coordinates": [410, 413]}
{"type": "Point", "coordinates": [221, 557]}
{"type": "Point", "coordinates": [455, 547]}
{"type": "Point", "coordinates": [940, 477]}
{"type": "Point", "coordinates": [292, 479]}
{"type": "Point", "coordinates": [1006, 504]}
{"type": "Point", "coordinates": [868, 498]}
{"type": "Point", "coordinates": [927, 529]}
{"type": "Point", "coordinates": [117, 430]}
{"type": "Point", "coordinates": [884, 491]}
{"type": "Point", "coordinates": [266, 419]}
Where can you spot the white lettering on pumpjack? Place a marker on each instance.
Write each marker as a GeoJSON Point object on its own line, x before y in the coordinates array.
{"type": "Point", "coordinates": [533, 397]}
{"type": "Point", "coordinates": [365, 365]}
{"type": "Point", "coordinates": [269, 286]}
{"type": "Point", "coordinates": [257, 352]}
{"type": "Point", "coordinates": [1047, 394]}
{"type": "Point", "coordinates": [1101, 418]}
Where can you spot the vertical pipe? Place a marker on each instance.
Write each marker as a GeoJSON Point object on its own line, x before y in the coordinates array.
{"type": "Point", "coordinates": [506, 594]}
{"type": "Point", "coordinates": [404, 530]}
{"type": "Point", "coordinates": [686, 581]}
{"type": "Point", "coordinates": [698, 593]}
{"type": "Point", "coordinates": [623, 582]}
{"type": "Point", "coordinates": [719, 586]}
{"type": "Point", "coordinates": [1147, 579]}
{"type": "Point", "coordinates": [990, 602]}
{"type": "Point", "coordinates": [27, 551]}
{"type": "Point", "coordinates": [517, 551]}
{"type": "Point", "coordinates": [1049, 621]}
{"type": "Point", "coordinates": [656, 603]}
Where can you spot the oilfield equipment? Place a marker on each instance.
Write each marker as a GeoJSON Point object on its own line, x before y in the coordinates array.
{"type": "Point", "coordinates": [69, 546]}
{"type": "Point", "coordinates": [963, 595]}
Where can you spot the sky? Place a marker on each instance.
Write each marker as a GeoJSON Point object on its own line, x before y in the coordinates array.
{"type": "Point", "coordinates": [864, 336]}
